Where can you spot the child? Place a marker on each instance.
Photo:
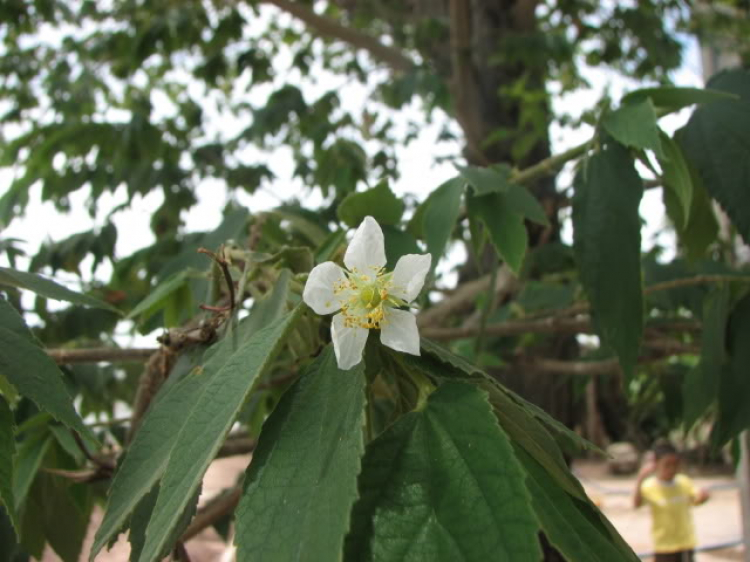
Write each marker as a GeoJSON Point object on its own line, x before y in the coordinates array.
{"type": "Point", "coordinates": [670, 496]}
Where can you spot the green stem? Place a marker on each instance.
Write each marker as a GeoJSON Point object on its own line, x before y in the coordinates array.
{"type": "Point", "coordinates": [488, 308]}
{"type": "Point", "coordinates": [549, 165]}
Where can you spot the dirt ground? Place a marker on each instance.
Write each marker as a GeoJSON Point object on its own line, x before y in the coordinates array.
{"type": "Point", "coordinates": [717, 522]}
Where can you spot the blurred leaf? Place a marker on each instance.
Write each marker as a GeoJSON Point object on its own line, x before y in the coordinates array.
{"type": "Point", "coordinates": [214, 410]}
{"type": "Point", "coordinates": [541, 295]}
{"type": "Point", "coordinates": [327, 250]}
{"type": "Point", "coordinates": [443, 483]}
{"type": "Point", "coordinates": [607, 243]}
{"type": "Point", "coordinates": [60, 517]}
{"type": "Point", "coordinates": [37, 377]}
{"type": "Point", "coordinates": [520, 200]}
{"type": "Point", "coordinates": [47, 288]}
{"type": "Point", "coordinates": [29, 458]}
{"type": "Point", "coordinates": [161, 294]}
{"type": "Point", "coordinates": [297, 259]}
{"type": "Point", "coordinates": [441, 211]}
{"type": "Point", "coordinates": [505, 226]}
{"type": "Point", "coordinates": [379, 202]}
{"type": "Point", "coordinates": [732, 413]}
{"type": "Point", "coordinates": [702, 228]}
{"type": "Point", "coordinates": [634, 125]}
{"type": "Point", "coordinates": [7, 454]}
{"type": "Point", "coordinates": [673, 99]}
{"type": "Point", "coordinates": [702, 382]}
{"type": "Point", "coordinates": [398, 243]}
{"type": "Point", "coordinates": [488, 180]}
{"type": "Point", "coordinates": [715, 141]}
{"type": "Point", "coordinates": [677, 176]}
{"type": "Point", "coordinates": [302, 482]}
{"type": "Point", "coordinates": [12, 321]}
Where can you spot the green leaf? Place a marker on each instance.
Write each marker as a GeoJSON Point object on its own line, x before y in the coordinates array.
{"type": "Point", "coordinates": [485, 181]}
{"type": "Point", "coordinates": [7, 454]}
{"type": "Point", "coordinates": [142, 515]}
{"type": "Point", "coordinates": [149, 452]}
{"type": "Point", "coordinates": [673, 98]}
{"type": "Point", "coordinates": [545, 295]}
{"type": "Point", "coordinates": [576, 535]}
{"type": "Point", "coordinates": [607, 244]}
{"type": "Point", "coordinates": [505, 226]}
{"type": "Point", "coordinates": [435, 219]}
{"type": "Point", "coordinates": [330, 246]}
{"type": "Point", "coordinates": [11, 320]}
{"type": "Point", "coordinates": [702, 228]}
{"type": "Point", "coordinates": [208, 422]}
{"type": "Point", "coordinates": [732, 413]}
{"type": "Point", "coordinates": [159, 297]}
{"type": "Point", "coordinates": [443, 483]}
{"type": "Point", "coordinates": [520, 200]}
{"type": "Point", "coordinates": [702, 382]}
{"type": "Point", "coordinates": [37, 377]}
{"type": "Point", "coordinates": [379, 202]}
{"type": "Point", "coordinates": [716, 140]}
{"type": "Point", "coordinates": [48, 288]}
{"type": "Point", "coordinates": [677, 176]}
{"type": "Point", "coordinates": [634, 125]}
{"type": "Point", "coordinates": [302, 482]}
{"type": "Point", "coordinates": [29, 458]}
{"type": "Point", "coordinates": [62, 521]}
{"type": "Point", "coordinates": [398, 243]}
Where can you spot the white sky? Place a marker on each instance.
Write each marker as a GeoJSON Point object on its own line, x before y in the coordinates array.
{"type": "Point", "coordinates": [419, 172]}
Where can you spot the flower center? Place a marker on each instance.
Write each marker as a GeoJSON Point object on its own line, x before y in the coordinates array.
{"type": "Point", "coordinates": [364, 299]}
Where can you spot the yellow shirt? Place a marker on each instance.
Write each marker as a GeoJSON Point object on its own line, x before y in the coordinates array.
{"type": "Point", "coordinates": [671, 519]}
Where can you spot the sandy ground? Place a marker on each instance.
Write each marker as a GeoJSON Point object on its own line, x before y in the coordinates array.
{"type": "Point", "coordinates": [717, 522]}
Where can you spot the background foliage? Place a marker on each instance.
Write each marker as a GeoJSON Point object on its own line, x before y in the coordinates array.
{"type": "Point", "coordinates": [453, 454]}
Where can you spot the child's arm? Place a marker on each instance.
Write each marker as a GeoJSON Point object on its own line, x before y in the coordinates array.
{"type": "Point", "coordinates": [701, 496]}
{"type": "Point", "coordinates": [649, 465]}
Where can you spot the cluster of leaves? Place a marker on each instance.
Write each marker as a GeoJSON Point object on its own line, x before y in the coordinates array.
{"type": "Point", "coordinates": [428, 456]}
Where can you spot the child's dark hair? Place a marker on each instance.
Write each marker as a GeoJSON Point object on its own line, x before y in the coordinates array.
{"type": "Point", "coordinates": [662, 448]}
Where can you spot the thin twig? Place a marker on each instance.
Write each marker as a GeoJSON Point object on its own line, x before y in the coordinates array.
{"type": "Point", "coordinates": [224, 266]}
{"type": "Point", "coordinates": [391, 56]}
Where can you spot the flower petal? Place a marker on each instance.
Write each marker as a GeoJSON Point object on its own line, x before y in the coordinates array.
{"type": "Point", "coordinates": [408, 277]}
{"type": "Point", "coordinates": [318, 293]}
{"type": "Point", "coordinates": [399, 331]}
{"type": "Point", "coordinates": [366, 252]}
{"type": "Point", "coordinates": [348, 343]}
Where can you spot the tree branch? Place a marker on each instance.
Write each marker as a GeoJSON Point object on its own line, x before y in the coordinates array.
{"type": "Point", "coordinates": [462, 297]}
{"type": "Point", "coordinates": [103, 354]}
{"type": "Point", "coordinates": [391, 56]}
{"type": "Point", "coordinates": [581, 368]}
{"type": "Point", "coordinates": [552, 324]}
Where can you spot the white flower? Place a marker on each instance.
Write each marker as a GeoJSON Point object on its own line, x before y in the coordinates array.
{"type": "Point", "coordinates": [367, 297]}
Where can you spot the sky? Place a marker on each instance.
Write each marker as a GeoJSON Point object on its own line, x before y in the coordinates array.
{"type": "Point", "coordinates": [420, 174]}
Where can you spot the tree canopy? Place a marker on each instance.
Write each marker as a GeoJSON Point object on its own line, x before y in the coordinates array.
{"type": "Point", "coordinates": [451, 453]}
